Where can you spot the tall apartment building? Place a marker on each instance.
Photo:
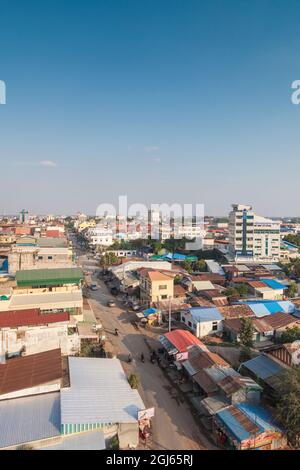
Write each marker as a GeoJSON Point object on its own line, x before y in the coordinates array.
{"type": "Point", "coordinates": [252, 237]}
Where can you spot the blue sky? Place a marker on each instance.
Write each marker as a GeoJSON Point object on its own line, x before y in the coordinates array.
{"type": "Point", "coordinates": [165, 101]}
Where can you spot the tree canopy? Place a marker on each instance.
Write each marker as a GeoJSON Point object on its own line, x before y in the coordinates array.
{"type": "Point", "coordinates": [288, 404]}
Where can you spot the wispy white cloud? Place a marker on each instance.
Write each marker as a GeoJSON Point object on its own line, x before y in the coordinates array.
{"type": "Point", "coordinates": [48, 163]}
{"type": "Point", "coordinates": [151, 149]}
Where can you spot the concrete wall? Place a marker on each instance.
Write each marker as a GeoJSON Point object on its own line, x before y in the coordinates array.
{"type": "Point", "coordinates": [46, 388]}
{"type": "Point", "coordinates": [39, 339]}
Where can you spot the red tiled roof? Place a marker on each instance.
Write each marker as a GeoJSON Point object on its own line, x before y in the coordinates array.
{"type": "Point", "coordinates": [30, 317]}
{"type": "Point", "coordinates": [182, 339]}
{"type": "Point", "coordinates": [30, 371]}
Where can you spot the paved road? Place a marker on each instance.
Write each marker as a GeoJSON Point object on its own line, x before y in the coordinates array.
{"type": "Point", "coordinates": [174, 426]}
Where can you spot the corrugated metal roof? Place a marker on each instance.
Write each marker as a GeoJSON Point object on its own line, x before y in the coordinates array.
{"type": "Point", "coordinates": [201, 315]}
{"type": "Point", "coordinates": [205, 382]}
{"type": "Point", "coordinates": [182, 339]}
{"type": "Point", "coordinates": [47, 277]}
{"type": "Point", "coordinates": [218, 373]}
{"type": "Point", "coordinates": [30, 371]}
{"type": "Point", "coordinates": [236, 311]}
{"type": "Point", "coordinates": [214, 404]}
{"type": "Point", "coordinates": [31, 317]}
{"type": "Point", "coordinates": [89, 440]}
{"type": "Point", "coordinates": [232, 384]}
{"type": "Point", "coordinates": [214, 267]}
{"type": "Point", "coordinates": [261, 416]}
{"type": "Point", "coordinates": [55, 299]}
{"type": "Point", "coordinates": [29, 419]}
{"type": "Point", "coordinates": [273, 284]}
{"type": "Point", "coordinates": [203, 285]}
{"type": "Point", "coordinates": [99, 393]}
{"type": "Point", "coordinates": [263, 366]}
{"type": "Point", "coordinates": [238, 424]}
{"type": "Point", "coordinates": [279, 320]}
{"type": "Point", "coordinates": [267, 307]}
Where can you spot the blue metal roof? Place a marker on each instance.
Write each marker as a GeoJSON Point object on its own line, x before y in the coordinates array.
{"type": "Point", "coordinates": [175, 256]}
{"type": "Point", "coordinates": [273, 284]}
{"type": "Point", "coordinates": [205, 314]}
{"type": "Point", "coordinates": [259, 415]}
{"type": "Point", "coordinates": [263, 367]}
{"type": "Point", "coordinates": [233, 425]}
{"type": "Point", "coordinates": [29, 419]}
{"type": "Point", "coordinates": [266, 307]}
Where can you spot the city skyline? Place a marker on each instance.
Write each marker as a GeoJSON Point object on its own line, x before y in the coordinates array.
{"type": "Point", "coordinates": [194, 98]}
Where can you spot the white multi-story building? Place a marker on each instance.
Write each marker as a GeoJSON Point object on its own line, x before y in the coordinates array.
{"type": "Point", "coordinates": [252, 237]}
{"type": "Point", "coordinates": [100, 236]}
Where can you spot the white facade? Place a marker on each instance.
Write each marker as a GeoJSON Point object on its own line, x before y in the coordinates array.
{"type": "Point", "coordinates": [37, 339]}
{"type": "Point", "coordinates": [100, 236]}
{"type": "Point", "coordinates": [252, 237]}
{"type": "Point", "coordinates": [203, 328]}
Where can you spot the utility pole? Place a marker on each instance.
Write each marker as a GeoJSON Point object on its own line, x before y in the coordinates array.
{"type": "Point", "coordinates": [170, 314]}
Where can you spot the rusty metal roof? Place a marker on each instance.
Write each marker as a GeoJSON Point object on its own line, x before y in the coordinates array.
{"type": "Point", "coordinates": [236, 311]}
{"type": "Point", "coordinates": [30, 371]}
{"type": "Point", "coordinates": [205, 382]}
{"type": "Point", "coordinates": [30, 317]}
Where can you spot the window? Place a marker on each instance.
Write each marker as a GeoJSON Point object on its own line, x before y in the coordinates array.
{"type": "Point", "coordinates": [189, 323]}
{"type": "Point", "coordinates": [40, 257]}
{"type": "Point", "coordinates": [164, 297]}
{"type": "Point", "coordinates": [163, 287]}
{"type": "Point", "coordinates": [214, 325]}
{"type": "Point", "coordinates": [50, 257]}
{"type": "Point", "coordinates": [183, 319]}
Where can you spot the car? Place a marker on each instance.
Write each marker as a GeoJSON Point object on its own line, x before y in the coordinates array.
{"type": "Point", "coordinates": [111, 303]}
{"type": "Point", "coordinates": [93, 287]}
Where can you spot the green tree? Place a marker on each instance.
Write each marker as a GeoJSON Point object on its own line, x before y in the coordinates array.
{"type": "Point", "coordinates": [242, 290]}
{"type": "Point", "coordinates": [200, 265]}
{"type": "Point", "coordinates": [188, 266]}
{"type": "Point", "coordinates": [290, 335]}
{"type": "Point", "coordinates": [157, 247]}
{"type": "Point", "coordinates": [292, 291]}
{"type": "Point", "coordinates": [231, 292]}
{"type": "Point", "coordinates": [108, 259]}
{"type": "Point", "coordinates": [134, 381]}
{"type": "Point", "coordinates": [296, 267]}
{"type": "Point", "coordinates": [288, 404]}
{"type": "Point", "coordinates": [246, 332]}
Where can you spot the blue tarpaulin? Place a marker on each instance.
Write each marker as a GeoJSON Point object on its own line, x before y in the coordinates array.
{"type": "Point", "coordinates": [150, 311]}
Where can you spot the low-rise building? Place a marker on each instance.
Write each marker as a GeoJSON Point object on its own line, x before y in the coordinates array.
{"type": "Point", "coordinates": [245, 427]}
{"type": "Point", "coordinates": [29, 332]}
{"type": "Point", "coordinates": [203, 321]}
{"type": "Point", "coordinates": [155, 286]}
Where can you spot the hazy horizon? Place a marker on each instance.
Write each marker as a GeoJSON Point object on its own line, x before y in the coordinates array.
{"type": "Point", "coordinates": [172, 101]}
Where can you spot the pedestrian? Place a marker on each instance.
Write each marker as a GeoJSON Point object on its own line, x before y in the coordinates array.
{"type": "Point", "coordinates": [158, 361]}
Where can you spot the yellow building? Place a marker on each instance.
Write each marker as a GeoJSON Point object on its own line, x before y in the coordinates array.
{"type": "Point", "coordinates": [155, 286]}
{"type": "Point", "coordinates": [86, 224]}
